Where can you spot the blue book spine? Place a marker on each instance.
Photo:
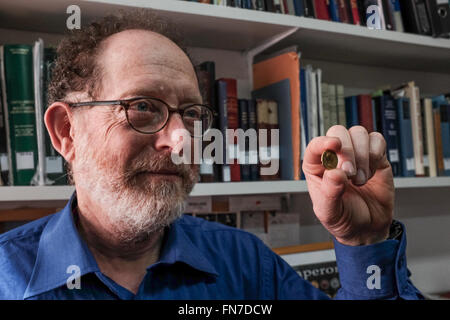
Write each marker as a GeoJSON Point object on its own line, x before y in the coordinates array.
{"type": "Point", "coordinates": [248, 4]}
{"type": "Point", "coordinates": [407, 164]}
{"type": "Point", "coordinates": [351, 110]}
{"type": "Point", "coordinates": [303, 102]}
{"type": "Point", "coordinates": [389, 130]}
{"type": "Point", "coordinates": [299, 8]}
{"type": "Point", "coordinates": [221, 94]}
{"type": "Point", "coordinates": [445, 134]}
{"type": "Point", "coordinates": [334, 10]}
{"type": "Point", "coordinates": [252, 124]}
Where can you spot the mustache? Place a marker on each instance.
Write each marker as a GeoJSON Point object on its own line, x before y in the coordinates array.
{"type": "Point", "coordinates": [157, 162]}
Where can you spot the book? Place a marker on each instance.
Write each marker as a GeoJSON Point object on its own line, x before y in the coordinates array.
{"type": "Point", "coordinates": [397, 16]}
{"type": "Point", "coordinates": [304, 104]}
{"type": "Point", "coordinates": [299, 8]}
{"type": "Point", "coordinates": [253, 150]}
{"type": "Point", "coordinates": [415, 17]}
{"type": "Point", "coordinates": [326, 107]}
{"type": "Point", "coordinates": [351, 110]}
{"type": "Point", "coordinates": [232, 153]}
{"type": "Point", "coordinates": [270, 71]}
{"type": "Point", "coordinates": [405, 140]}
{"type": "Point", "coordinates": [362, 12]}
{"type": "Point", "coordinates": [4, 166]}
{"type": "Point", "coordinates": [445, 135]}
{"type": "Point", "coordinates": [19, 112]}
{"type": "Point", "coordinates": [412, 92]}
{"type": "Point", "coordinates": [353, 5]}
{"type": "Point", "coordinates": [439, 16]}
{"type": "Point", "coordinates": [311, 93]}
{"type": "Point", "coordinates": [343, 11]}
{"type": "Point", "coordinates": [340, 104]}
{"type": "Point", "coordinates": [324, 276]}
{"type": "Point", "coordinates": [334, 120]}
{"type": "Point", "coordinates": [365, 114]}
{"type": "Point", "coordinates": [389, 128]}
{"type": "Point", "coordinates": [321, 10]}
{"type": "Point", "coordinates": [290, 7]}
{"type": "Point", "coordinates": [221, 96]}
{"type": "Point", "coordinates": [280, 92]}
{"type": "Point", "coordinates": [438, 139]}
{"type": "Point", "coordinates": [244, 125]}
{"type": "Point", "coordinates": [309, 9]}
{"type": "Point", "coordinates": [206, 76]}
{"type": "Point", "coordinates": [388, 11]}
{"type": "Point", "coordinates": [333, 8]}
{"type": "Point", "coordinates": [321, 129]}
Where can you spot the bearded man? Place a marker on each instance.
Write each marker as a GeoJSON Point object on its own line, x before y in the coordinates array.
{"type": "Point", "coordinates": [121, 89]}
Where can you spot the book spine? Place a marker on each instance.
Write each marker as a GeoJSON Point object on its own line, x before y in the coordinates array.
{"type": "Point", "coordinates": [362, 12]}
{"type": "Point", "coordinates": [321, 127]}
{"type": "Point", "coordinates": [270, 5]}
{"type": "Point", "coordinates": [222, 101]}
{"type": "Point", "coordinates": [291, 7]}
{"type": "Point", "coordinates": [233, 123]}
{"type": "Point", "coordinates": [405, 137]}
{"type": "Point", "coordinates": [20, 113]}
{"type": "Point", "coordinates": [310, 10]}
{"type": "Point", "coordinates": [340, 102]}
{"type": "Point", "coordinates": [388, 11]}
{"type": "Point", "coordinates": [253, 152]}
{"type": "Point", "coordinates": [416, 121]}
{"type": "Point", "coordinates": [326, 107]}
{"type": "Point", "coordinates": [333, 105]}
{"type": "Point", "coordinates": [351, 110]}
{"type": "Point", "coordinates": [4, 166]}
{"type": "Point", "coordinates": [262, 115]}
{"type": "Point", "coordinates": [299, 8]}
{"type": "Point", "coordinates": [244, 153]}
{"type": "Point", "coordinates": [321, 10]}
{"type": "Point", "coordinates": [304, 102]}
{"type": "Point", "coordinates": [355, 12]}
{"type": "Point", "coordinates": [438, 139]}
{"type": "Point", "coordinates": [259, 5]}
{"type": "Point", "coordinates": [348, 7]}
{"type": "Point", "coordinates": [365, 115]}
{"type": "Point", "coordinates": [445, 134]}
{"type": "Point", "coordinates": [343, 11]}
{"type": "Point", "coordinates": [390, 132]}
{"type": "Point", "coordinates": [334, 10]}
{"type": "Point", "coordinates": [274, 146]}
{"type": "Point", "coordinates": [397, 16]}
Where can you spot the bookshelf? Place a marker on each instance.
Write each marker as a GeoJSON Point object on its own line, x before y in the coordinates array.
{"type": "Point", "coordinates": [355, 56]}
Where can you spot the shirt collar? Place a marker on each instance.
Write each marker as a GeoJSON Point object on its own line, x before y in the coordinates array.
{"type": "Point", "coordinates": [61, 246]}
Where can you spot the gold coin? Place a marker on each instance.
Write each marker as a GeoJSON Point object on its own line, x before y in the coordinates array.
{"type": "Point", "coordinates": [329, 159]}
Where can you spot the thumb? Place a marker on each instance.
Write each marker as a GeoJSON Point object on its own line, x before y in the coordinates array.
{"type": "Point", "coordinates": [333, 186]}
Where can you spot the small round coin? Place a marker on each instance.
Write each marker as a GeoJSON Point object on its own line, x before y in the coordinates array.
{"type": "Point", "coordinates": [329, 159]}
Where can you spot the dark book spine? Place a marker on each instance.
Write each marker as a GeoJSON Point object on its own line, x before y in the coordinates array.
{"type": "Point", "coordinates": [4, 166]}
{"type": "Point", "coordinates": [390, 131]}
{"type": "Point", "coordinates": [415, 17]}
{"type": "Point", "coordinates": [308, 6]}
{"type": "Point", "coordinates": [253, 152]}
{"type": "Point", "coordinates": [445, 133]}
{"type": "Point", "coordinates": [388, 11]}
{"type": "Point", "coordinates": [439, 16]}
{"type": "Point", "coordinates": [233, 123]}
{"type": "Point", "coordinates": [343, 11]}
{"type": "Point", "coordinates": [355, 12]}
{"type": "Point", "coordinates": [244, 147]}
{"type": "Point", "coordinates": [259, 5]}
{"type": "Point", "coordinates": [348, 6]}
{"type": "Point", "coordinates": [270, 5]}
{"type": "Point", "coordinates": [299, 8]}
{"type": "Point", "coordinates": [405, 137]}
{"type": "Point", "coordinates": [362, 12]}
{"type": "Point", "coordinates": [221, 94]}
{"type": "Point", "coordinates": [351, 109]}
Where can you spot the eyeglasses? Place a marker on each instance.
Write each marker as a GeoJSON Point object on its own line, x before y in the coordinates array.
{"type": "Point", "coordinates": [149, 115]}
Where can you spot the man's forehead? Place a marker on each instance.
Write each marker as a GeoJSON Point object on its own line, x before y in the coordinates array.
{"type": "Point", "coordinates": [138, 48]}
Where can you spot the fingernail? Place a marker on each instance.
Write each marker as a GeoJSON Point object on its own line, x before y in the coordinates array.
{"type": "Point", "coordinates": [360, 177]}
{"type": "Point", "coordinates": [347, 166]}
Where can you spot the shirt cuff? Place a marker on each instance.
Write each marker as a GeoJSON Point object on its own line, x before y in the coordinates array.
{"type": "Point", "coordinates": [376, 271]}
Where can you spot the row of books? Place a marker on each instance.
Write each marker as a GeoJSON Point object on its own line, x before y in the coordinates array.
{"type": "Point", "coordinates": [416, 128]}
{"type": "Point", "coordinates": [27, 156]}
{"type": "Point", "coordinates": [427, 17]}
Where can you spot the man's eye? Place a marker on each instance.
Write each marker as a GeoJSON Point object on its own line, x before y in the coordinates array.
{"type": "Point", "coordinates": [145, 107]}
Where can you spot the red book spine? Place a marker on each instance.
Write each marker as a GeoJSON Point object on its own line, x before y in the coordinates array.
{"type": "Point", "coordinates": [233, 123]}
{"type": "Point", "coordinates": [286, 8]}
{"type": "Point", "coordinates": [365, 115]}
{"type": "Point", "coordinates": [321, 8]}
{"type": "Point", "coordinates": [355, 12]}
{"type": "Point", "coordinates": [343, 12]}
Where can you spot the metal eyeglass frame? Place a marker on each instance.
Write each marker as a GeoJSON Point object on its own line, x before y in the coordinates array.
{"type": "Point", "coordinates": [125, 103]}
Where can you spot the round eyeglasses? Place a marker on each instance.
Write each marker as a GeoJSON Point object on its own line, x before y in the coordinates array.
{"type": "Point", "coordinates": [149, 115]}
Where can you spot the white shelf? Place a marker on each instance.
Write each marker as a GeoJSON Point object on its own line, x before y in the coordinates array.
{"type": "Point", "coordinates": [318, 39]}
{"type": "Point", "coordinates": [63, 193]}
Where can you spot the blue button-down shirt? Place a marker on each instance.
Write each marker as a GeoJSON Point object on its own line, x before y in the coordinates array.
{"type": "Point", "coordinates": [198, 260]}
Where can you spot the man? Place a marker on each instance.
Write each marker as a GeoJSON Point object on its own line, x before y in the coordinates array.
{"type": "Point", "coordinates": [121, 89]}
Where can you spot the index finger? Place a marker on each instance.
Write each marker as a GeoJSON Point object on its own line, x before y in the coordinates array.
{"type": "Point", "coordinates": [312, 162]}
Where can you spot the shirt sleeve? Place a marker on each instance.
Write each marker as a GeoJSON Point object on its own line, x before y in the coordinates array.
{"type": "Point", "coordinates": [376, 271]}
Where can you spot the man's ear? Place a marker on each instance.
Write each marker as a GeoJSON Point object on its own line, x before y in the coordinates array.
{"type": "Point", "coordinates": [59, 122]}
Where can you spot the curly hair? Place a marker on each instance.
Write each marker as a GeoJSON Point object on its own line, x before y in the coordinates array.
{"type": "Point", "coordinates": [76, 68]}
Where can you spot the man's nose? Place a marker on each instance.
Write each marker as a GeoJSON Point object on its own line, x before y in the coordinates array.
{"type": "Point", "coordinates": [173, 134]}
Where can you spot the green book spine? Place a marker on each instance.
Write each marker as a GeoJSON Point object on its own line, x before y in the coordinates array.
{"type": "Point", "coordinates": [19, 112]}
{"type": "Point", "coordinates": [340, 100]}
{"type": "Point", "coordinates": [3, 146]}
{"type": "Point", "coordinates": [54, 162]}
